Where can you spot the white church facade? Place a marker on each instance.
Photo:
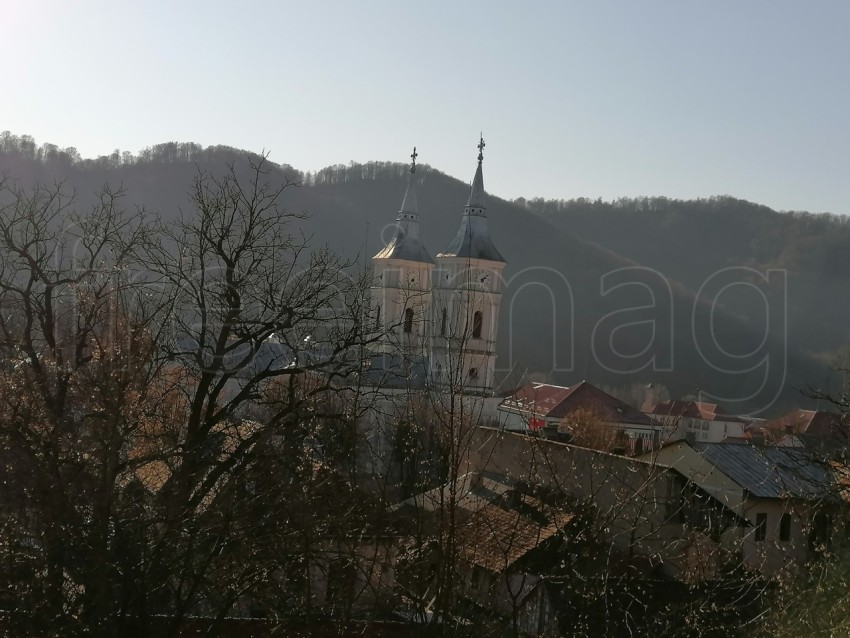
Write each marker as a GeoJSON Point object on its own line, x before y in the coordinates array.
{"type": "Point", "coordinates": [439, 316]}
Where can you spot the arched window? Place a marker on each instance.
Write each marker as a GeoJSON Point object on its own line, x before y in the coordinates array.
{"type": "Point", "coordinates": [408, 320]}
{"type": "Point", "coordinates": [477, 324]}
{"type": "Point", "coordinates": [443, 321]}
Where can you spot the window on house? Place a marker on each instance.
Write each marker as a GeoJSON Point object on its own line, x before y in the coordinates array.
{"type": "Point", "coordinates": [761, 527]}
{"type": "Point", "coordinates": [477, 324]}
{"type": "Point", "coordinates": [439, 370]}
{"type": "Point", "coordinates": [342, 578]}
{"type": "Point", "coordinates": [378, 319]}
{"type": "Point", "coordinates": [296, 579]}
{"type": "Point", "coordinates": [820, 534]}
{"type": "Point", "coordinates": [473, 373]}
{"type": "Point", "coordinates": [408, 320]}
{"type": "Point", "coordinates": [675, 500]}
{"type": "Point", "coordinates": [785, 527]}
{"type": "Point", "coordinates": [443, 321]}
{"type": "Point", "coordinates": [478, 579]}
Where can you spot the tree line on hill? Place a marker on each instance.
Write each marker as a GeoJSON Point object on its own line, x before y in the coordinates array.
{"type": "Point", "coordinates": [26, 148]}
{"type": "Point", "coordinates": [556, 322]}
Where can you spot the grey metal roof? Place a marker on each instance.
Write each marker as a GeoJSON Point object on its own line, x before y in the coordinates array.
{"type": "Point", "coordinates": [406, 242]}
{"type": "Point", "coordinates": [476, 193]}
{"type": "Point", "coordinates": [770, 472]}
{"type": "Point", "coordinates": [398, 371]}
{"type": "Point", "coordinates": [473, 240]}
{"type": "Point", "coordinates": [410, 203]}
{"type": "Point", "coordinates": [473, 237]}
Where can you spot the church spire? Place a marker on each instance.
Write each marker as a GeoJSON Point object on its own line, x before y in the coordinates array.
{"type": "Point", "coordinates": [406, 242]}
{"type": "Point", "coordinates": [409, 203]}
{"type": "Point", "coordinates": [476, 205]}
{"type": "Point", "coordinates": [473, 239]}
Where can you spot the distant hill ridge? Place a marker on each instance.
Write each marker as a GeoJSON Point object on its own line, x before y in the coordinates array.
{"type": "Point", "coordinates": [562, 246]}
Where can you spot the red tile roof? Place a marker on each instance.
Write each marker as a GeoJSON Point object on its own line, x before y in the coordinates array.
{"type": "Point", "coordinates": [810, 422]}
{"type": "Point", "coordinates": [536, 398]}
{"type": "Point", "coordinates": [495, 538]}
{"type": "Point", "coordinates": [694, 410]}
{"type": "Point", "coordinates": [556, 402]}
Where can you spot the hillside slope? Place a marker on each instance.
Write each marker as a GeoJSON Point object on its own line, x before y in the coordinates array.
{"type": "Point", "coordinates": [556, 321]}
{"type": "Point", "coordinates": [692, 240]}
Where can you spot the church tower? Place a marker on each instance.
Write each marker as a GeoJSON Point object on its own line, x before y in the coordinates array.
{"type": "Point", "coordinates": [402, 282]}
{"type": "Point", "coordinates": [467, 300]}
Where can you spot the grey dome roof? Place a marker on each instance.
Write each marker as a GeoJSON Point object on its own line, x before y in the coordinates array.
{"type": "Point", "coordinates": [406, 242]}
{"type": "Point", "coordinates": [473, 241]}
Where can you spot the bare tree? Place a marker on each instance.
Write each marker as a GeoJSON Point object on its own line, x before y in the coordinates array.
{"type": "Point", "coordinates": [76, 383]}
{"type": "Point", "coordinates": [156, 372]}
{"type": "Point", "coordinates": [587, 427]}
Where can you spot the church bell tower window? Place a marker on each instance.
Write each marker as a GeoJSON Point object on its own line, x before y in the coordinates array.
{"type": "Point", "coordinates": [408, 320]}
{"type": "Point", "coordinates": [477, 324]}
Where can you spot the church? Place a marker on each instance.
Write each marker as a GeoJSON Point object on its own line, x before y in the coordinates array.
{"type": "Point", "coordinates": [438, 316]}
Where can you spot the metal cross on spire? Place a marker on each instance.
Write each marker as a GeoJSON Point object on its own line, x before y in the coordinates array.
{"type": "Point", "coordinates": [413, 156]}
{"type": "Point", "coordinates": [481, 146]}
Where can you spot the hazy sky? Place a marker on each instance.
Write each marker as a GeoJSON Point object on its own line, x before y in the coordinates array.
{"type": "Point", "coordinates": [684, 99]}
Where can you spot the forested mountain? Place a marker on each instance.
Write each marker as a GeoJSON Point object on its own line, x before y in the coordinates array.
{"type": "Point", "coordinates": [691, 240]}
{"type": "Point", "coordinates": [651, 326]}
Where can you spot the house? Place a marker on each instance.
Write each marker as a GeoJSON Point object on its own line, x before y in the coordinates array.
{"type": "Point", "coordinates": [516, 542]}
{"type": "Point", "coordinates": [824, 431]}
{"type": "Point", "coordinates": [503, 533]}
{"type": "Point", "coordinates": [500, 539]}
{"type": "Point", "coordinates": [642, 509]}
{"type": "Point", "coordinates": [788, 497]}
{"type": "Point", "coordinates": [699, 421]}
{"type": "Point", "coordinates": [575, 413]}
